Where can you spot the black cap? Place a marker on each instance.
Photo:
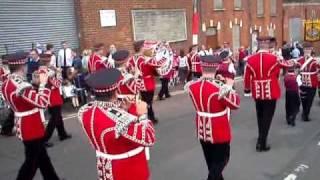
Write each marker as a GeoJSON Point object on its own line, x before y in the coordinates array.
{"type": "Point", "coordinates": [104, 80]}
{"type": "Point", "coordinates": [210, 60]}
{"type": "Point", "coordinates": [224, 54]}
{"type": "Point", "coordinates": [19, 58]}
{"type": "Point", "coordinates": [120, 56]}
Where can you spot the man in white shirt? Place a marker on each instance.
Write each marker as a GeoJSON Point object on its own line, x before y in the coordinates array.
{"type": "Point", "coordinates": [204, 51]}
{"type": "Point", "coordinates": [65, 58]}
{"type": "Point", "coordinates": [50, 50]}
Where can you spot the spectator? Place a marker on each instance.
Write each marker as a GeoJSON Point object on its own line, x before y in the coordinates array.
{"type": "Point", "coordinates": [183, 66]}
{"type": "Point", "coordinates": [65, 58]}
{"type": "Point", "coordinates": [85, 59]}
{"type": "Point", "coordinates": [50, 50]}
{"type": "Point", "coordinates": [295, 53]}
{"type": "Point", "coordinates": [112, 50]}
{"type": "Point", "coordinates": [32, 64]}
{"type": "Point", "coordinates": [242, 55]}
{"type": "Point", "coordinates": [39, 48]}
{"type": "Point", "coordinates": [204, 51]}
{"type": "Point", "coordinates": [164, 91]}
{"type": "Point", "coordinates": [286, 51]}
{"type": "Point", "coordinates": [69, 88]}
{"type": "Point", "coordinates": [299, 46]}
{"type": "Point", "coordinates": [76, 62]}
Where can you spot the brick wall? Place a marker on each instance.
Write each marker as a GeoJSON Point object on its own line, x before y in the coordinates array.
{"type": "Point", "coordinates": [121, 35]}
{"type": "Point", "coordinates": [303, 11]}
{"type": "Point", "coordinates": [248, 15]}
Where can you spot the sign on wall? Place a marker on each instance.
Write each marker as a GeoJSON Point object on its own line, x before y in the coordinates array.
{"type": "Point", "coordinates": [108, 18]}
{"type": "Point", "coordinates": [159, 24]}
{"type": "Point", "coordinates": [312, 30]}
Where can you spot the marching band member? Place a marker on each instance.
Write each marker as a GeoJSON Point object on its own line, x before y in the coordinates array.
{"type": "Point", "coordinates": [146, 69]}
{"type": "Point", "coordinates": [8, 124]}
{"type": "Point", "coordinates": [213, 100]}
{"type": "Point", "coordinates": [262, 79]}
{"type": "Point", "coordinates": [97, 60]}
{"type": "Point", "coordinates": [226, 67]}
{"type": "Point", "coordinates": [195, 62]}
{"type": "Point", "coordinates": [309, 70]}
{"type": "Point", "coordinates": [28, 105]}
{"type": "Point", "coordinates": [119, 136]}
{"type": "Point", "coordinates": [55, 99]}
{"type": "Point", "coordinates": [291, 83]}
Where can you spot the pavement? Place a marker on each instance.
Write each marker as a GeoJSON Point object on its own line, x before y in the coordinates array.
{"type": "Point", "coordinates": [177, 154]}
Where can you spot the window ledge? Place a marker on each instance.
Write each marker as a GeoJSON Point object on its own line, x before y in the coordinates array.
{"type": "Point", "coordinates": [273, 15]}
{"type": "Point", "coordinates": [238, 9]}
{"type": "Point", "coordinates": [223, 9]}
{"type": "Point", "coordinates": [260, 16]}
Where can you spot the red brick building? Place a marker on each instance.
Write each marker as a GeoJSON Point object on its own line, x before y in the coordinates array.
{"type": "Point", "coordinates": [239, 22]}
{"type": "Point", "coordinates": [295, 14]}
{"type": "Point", "coordinates": [122, 34]}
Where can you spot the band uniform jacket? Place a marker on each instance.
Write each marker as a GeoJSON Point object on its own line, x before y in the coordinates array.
{"type": "Point", "coordinates": [195, 62]}
{"type": "Point", "coordinates": [290, 82]}
{"type": "Point", "coordinates": [129, 85]}
{"type": "Point", "coordinates": [27, 104]}
{"type": "Point", "coordinates": [226, 69]}
{"type": "Point", "coordinates": [262, 75]}
{"type": "Point", "coordinates": [54, 84]}
{"type": "Point", "coordinates": [96, 62]}
{"type": "Point", "coordinates": [309, 69]}
{"type": "Point", "coordinates": [212, 113]}
{"type": "Point", "coordinates": [121, 158]}
{"type": "Point", "coordinates": [146, 71]}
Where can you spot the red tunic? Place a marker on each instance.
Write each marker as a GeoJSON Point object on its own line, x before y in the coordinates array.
{"type": "Point", "coordinates": [309, 72]}
{"type": "Point", "coordinates": [224, 70]}
{"type": "Point", "coordinates": [195, 62]}
{"type": "Point", "coordinates": [130, 85]}
{"type": "Point", "coordinates": [96, 62]}
{"type": "Point", "coordinates": [213, 114]}
{"type": "Point", "coordinates": [146, 70]}
{"type": "Point", "coordinates": [113, 163]}
{"type": "Point", "coordinates": [261, 75]}
{"type": "Point", "coordinates": [28, 105]}
{"type": "Point", "coordinates": [290, 82]}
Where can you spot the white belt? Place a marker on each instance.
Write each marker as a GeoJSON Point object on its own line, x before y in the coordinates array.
{"type": "Point", "coordinates": [212, 115]}
{"type": "Point", "coordinates": [120, 156]}
{"type": "Point", "coordinates": [308, 73]}
{"type": "Point", "coordinates": [26, 113]}
{"type": "Point", "coordinates": [195, 62]}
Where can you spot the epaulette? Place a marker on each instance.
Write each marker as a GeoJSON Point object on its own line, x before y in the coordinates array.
{"type": "Point", "coordinates": [188, 84]}
{"type": "Point", "coordinates": [83, 109]}
{"type": "Point", "coordinates": [20, 84]}
{"type": "Point", "coordinates": [122, 118]}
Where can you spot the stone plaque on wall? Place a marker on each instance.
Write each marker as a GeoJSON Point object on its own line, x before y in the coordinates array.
{"type": "Point", "coordinates": [159, 24]}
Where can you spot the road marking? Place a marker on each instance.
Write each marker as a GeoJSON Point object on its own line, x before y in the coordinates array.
{"type": "Point", "coordinates": [301, 168]}
{"type": "Point", "coordinates": [291, 177]}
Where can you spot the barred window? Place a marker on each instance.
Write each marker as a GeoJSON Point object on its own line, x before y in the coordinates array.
{"type": "Point", "coordinates": [273, 7]}
{"type": "Point", "coordinates": [237, 4]}
{"type": "Point", "coordinates": [260, 7]}
{"type": "Point", "coordinates": [236, 37]}
{"type": "Point", "coordinates": [295, 29]}
{"type": "Point", "coordinates": [218, 4]}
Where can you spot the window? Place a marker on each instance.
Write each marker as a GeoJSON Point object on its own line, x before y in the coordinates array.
{"type": "Point", "coordinates": [236, 37]}
{"type": "Point", "coordinates": [218, 4]}
{"type": "Point", "coordinates": [295, 29]}
{"type": "Point", "coordinates": [260, 8]}
{"type": "Point", "coordinates": [273, 7]}
{"type": "Point", "coordinates": [237, 4]}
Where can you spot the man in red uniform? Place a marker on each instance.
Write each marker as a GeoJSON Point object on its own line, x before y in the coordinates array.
{"type": "Point", "coordinates": [147, 71]}
{"type": "Point", "coordinates": [309, 70]}
{"type": "Point", "coordinates": [8, 123]}
{"type": "Point", "coordinates": [119, 135]}
{"type": "Point", "coordinates": [195, 62]}
{"type": "Point", "coordinates": [98, 60]}
{"type": "Point", "coordinates": [55, 99]}
{"type": "Point", "coordinates": [262, 79]}
{"type": "Point", "coordinates": [28, 105]}
{"type": "Point", "coordinates": [226, 67]}
{"type": "Point", "coordinates": [213, 100]}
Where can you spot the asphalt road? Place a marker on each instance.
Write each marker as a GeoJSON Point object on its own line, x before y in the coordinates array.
{"type": "Point", "coordinates": [177, 154]}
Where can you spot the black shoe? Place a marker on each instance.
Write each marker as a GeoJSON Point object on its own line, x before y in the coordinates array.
{"type": "Point", "coordinates": [262, 148]}
{"type": "Point", "coordinates": [305, 118]}
{"type": "Point", "coordinates": [155, 121]}
{"type": "Point", "coordinates": [48, 145]}
{"type": "Point", "coordinates": [65, 137]}
{"type": "Point", "coordinates": [160, 98]}
{"type": "Point", "coordinates": [168, 96]}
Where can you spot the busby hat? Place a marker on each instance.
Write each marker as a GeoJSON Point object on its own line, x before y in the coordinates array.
{"type": "Point", "coordinates": [19, 58]}
{"type": "Point", "coordinates": [121, 56]}
{"type": "Point", "coordinates": [210, 60]}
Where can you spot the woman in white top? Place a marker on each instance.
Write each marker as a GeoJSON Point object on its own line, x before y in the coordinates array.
{"type": "Point", "coordinates": [183, 66]}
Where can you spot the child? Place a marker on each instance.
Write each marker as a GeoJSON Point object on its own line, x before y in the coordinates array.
{"type": "Point", "coordinates": [70, 88]}
{"type": "Point", "coordinates": [292, 96]}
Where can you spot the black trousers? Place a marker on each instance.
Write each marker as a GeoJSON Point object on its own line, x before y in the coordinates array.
{"type": "Point", "coordinates": [265, 111]}
{"type": "Point", "coordinates": [307, 95]}
{"type": "Point", "coordinates": [217, 157]}
{"type": "Point", "coordinates": [292, 105]}
{"type": "Point", "coordinates": [241, 67]}
{"type": "Point", "coordinates": [55, 121]}
{"type": "Point", "coordinates": [36, 156]}
{"type": "Point", "coordinates": [147, 96]}
{"type": "Point", "coordinates": [164, 87]}
{"type": "Point", "coordinates": [196, 74]}
{"type": "Point", "coordinates": [8, 124]}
